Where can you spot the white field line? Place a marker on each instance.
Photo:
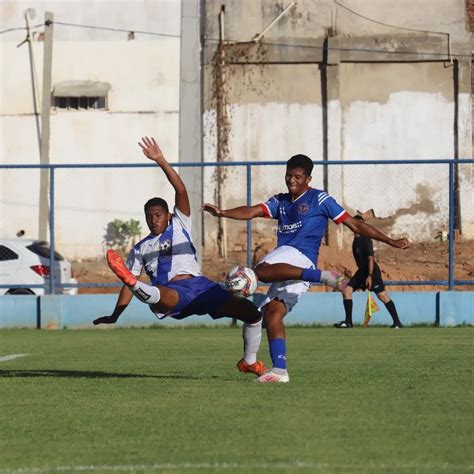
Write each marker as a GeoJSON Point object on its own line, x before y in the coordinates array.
{"type": "Point", "coordinates": [297, 465]}
{"type": "Point", "coordinates": [11, 357]}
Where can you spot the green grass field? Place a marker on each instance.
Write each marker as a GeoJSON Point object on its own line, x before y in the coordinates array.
{"type": "Point", "coordinates": [150, 400]}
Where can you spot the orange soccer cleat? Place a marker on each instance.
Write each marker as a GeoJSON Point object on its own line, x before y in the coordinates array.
{"type": "Point", "coordinates": [258, 368]}
{"type": "Point", "coordinates": [118, 267]}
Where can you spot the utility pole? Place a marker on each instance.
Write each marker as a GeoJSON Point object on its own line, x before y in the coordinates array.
{"type": "Point", "coordinates": [30, 14]}
{"type": "Point", "coordinates": [45, 125]}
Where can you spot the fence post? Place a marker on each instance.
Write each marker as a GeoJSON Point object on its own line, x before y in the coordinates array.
{"type": "Point", "coordinates": [451, 227]}
{"type": "Point", "coordinates": [52, 277]}
{"type": "Point", "coordinates": [249, 222]}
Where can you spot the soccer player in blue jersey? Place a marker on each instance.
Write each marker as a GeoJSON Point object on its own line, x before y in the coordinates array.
{"type": "Point", "coordinates": [168, 257]}
{"type": "Point", "coordinates": [302, 214]}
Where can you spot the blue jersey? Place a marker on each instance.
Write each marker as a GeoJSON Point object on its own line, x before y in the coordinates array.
{"type": "Point", "coordinates": [302, 223]}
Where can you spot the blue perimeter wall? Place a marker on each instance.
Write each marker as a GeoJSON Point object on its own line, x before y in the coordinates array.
{"type": "Point", "coordinates": [448, 308]}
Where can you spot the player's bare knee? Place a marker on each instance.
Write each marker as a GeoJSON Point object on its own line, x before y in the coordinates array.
{"type": "Point", "coordinates": [274, 311]}
{"type": "Point", "coordinates": [347, 292]}
{"type": "Point", "coordinates": [262, 272]}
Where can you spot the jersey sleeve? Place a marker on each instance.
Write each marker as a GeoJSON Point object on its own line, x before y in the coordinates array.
{"type": "Point", "coordinates": [135, 261]}
{"type": "Point", "coordinates": [184, 220]}
{"type": "Point", "coordinates": [271, 207]}
{"type": "Point", "coordinates": [331, 208]}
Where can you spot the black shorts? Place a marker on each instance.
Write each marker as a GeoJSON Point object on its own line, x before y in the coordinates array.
{"type": "Point", "coordinates": [357, 282]}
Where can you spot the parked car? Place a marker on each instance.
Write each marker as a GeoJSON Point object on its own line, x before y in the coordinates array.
{"type": "Point", "coordinates": [26, 262]}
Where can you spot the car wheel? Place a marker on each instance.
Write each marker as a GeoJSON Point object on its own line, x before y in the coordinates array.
{"type": "Point", "coordinates": [19, 291]}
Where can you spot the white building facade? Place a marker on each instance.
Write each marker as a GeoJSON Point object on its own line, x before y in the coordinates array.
{"type": "Point", "coordinates": [140, 68]}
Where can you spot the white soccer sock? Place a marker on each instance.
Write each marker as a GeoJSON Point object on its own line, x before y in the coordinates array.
{"type": "Point", "coordinates": [252, 336]}
{"type": "Point", "coordinates": [146, 293]}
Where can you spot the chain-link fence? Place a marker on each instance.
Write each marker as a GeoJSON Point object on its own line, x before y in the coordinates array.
{"type": "Point", "coordinates": [93, 207]}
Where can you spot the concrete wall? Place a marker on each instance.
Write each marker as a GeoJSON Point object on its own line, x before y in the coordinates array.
{"type": "Point", "coordinates": [143, 100]}
{"type": "Point", "coordinates": [311, 18]}
{"type": "Point", "coordinates": [447, 308]}
{"type": "Point", "coordinates": [285, 97]}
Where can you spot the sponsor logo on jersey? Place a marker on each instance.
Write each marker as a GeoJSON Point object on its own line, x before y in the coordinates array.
{"type": "Point", "coordinates": [290, 228]}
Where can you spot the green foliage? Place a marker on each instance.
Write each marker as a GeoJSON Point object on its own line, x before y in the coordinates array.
{"type": "Point", "coordinates": [140, 400]}
{"type": "Point", "coordinates": [122, 235]}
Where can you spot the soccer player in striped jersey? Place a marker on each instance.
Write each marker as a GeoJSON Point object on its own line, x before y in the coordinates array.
{"type": "Point", "coordinates": [168, 257]}
{"type": "Point", "coordinates": [302, 214]}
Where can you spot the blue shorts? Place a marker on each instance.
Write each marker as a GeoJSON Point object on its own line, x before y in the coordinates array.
{"type": "Point", "coordinates": [197, 295]}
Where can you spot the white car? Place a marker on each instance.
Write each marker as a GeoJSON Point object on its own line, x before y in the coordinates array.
{"type": "Point", "coordinates": [26, 262]}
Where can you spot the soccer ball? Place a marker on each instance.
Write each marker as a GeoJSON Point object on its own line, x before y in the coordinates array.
{"type": "Point", "coordinates": [241, 281]}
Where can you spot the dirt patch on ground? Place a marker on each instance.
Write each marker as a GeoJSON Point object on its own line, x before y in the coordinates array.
{"type": "Point", "coordinates": [424, 261]}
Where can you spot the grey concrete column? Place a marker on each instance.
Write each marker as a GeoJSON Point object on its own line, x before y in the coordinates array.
{"type": "Point", "coordinates": [190, 111]}
{"type": "Point", "coordinates": [464, 193]}
{"type": "Point", "coordinates": [464, 120]}
{"type": "Point", "coordinates": [45, 126]}
{"type": "Point", "coordinates": [335, 174]}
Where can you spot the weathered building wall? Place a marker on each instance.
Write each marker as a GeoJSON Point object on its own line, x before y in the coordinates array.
{"type": "Point", "coordinates": [405, 112]}
{"type": "Point", "coordinates": [275, 113]}
{"type": "Point", "coordinates": [311, 18]}
{"type": "Point", "coordinates": [375, 95]}
{"type": "Point", "coordinates": [143, 100]}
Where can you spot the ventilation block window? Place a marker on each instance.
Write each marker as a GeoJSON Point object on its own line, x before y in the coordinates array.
{"type": "Point", "coordinates": [80, 95]}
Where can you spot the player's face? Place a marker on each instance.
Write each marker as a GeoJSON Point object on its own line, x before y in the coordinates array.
{"type": "Point", "coordinates": [297, 181]}
{"type": "Point", "coordinates": [157, 219]}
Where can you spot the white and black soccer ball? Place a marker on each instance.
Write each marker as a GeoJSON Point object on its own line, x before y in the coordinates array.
{"type": "Point", "coordinates": [241, 281]}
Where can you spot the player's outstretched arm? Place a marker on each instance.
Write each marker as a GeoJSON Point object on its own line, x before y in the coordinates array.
{"type": "Point", "coordinates": [359, 227]}
{"type": "Point", "coordinates": [153, 152]}
{"type": "Point", "coordinates": [242, 213]}
{"type": "Point", "coordinates": [124, 298]}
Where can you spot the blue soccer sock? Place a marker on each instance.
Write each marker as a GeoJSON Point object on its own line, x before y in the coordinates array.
{"type": "Point", "coordinates": [278, 353]}
{"type": "Point", "coordinates": [314, 276]}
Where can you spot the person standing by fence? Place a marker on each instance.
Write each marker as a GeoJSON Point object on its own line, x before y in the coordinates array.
{"type": "Point", "coordinates": [367, 276]}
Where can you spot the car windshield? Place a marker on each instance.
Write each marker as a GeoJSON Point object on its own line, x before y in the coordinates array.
{"type": "Point", "coordinates": [42, 249]}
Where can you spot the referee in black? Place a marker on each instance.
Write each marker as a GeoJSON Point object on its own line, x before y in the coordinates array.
{"type": "Point", "coordinates": [367, 276]}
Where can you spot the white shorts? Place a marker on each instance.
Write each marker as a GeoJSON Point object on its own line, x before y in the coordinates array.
{"type": "Point", "coordinates": [287, 291]}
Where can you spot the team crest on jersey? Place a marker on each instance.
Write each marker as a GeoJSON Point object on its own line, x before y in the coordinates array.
{"type": "Point", "coordinates": [165, 247]}
{"type": "Point", "coordinates": [303, 208]}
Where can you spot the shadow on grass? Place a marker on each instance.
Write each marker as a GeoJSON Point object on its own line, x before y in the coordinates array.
{"type": "Point", "coordinates": [82, 374]}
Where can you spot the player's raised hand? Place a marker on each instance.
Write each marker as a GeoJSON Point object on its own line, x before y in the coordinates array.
{"type": "Point", "coordinates": [401, 243]}
{"type": "Point", "coordinates": [105, 320]}
{"type": "Point", "coordinates": [214, 210]}
{"type": "Point", "coordinates": [151, 150]}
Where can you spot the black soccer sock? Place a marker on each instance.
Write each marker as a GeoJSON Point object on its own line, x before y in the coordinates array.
{"type": "Point", "coordinates": [348, 309]}
{"type": "Point", "coordinates": [393, 311]}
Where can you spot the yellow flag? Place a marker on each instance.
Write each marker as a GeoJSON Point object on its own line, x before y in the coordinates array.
{"type": "Point", "coordinates": [370, 308]}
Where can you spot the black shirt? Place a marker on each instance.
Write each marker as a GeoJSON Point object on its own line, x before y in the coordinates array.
{"type": "Point", "coordinates": [362, 249]}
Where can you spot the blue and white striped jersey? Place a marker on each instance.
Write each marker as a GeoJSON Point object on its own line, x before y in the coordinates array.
{"type": "Point", "coordinates": [166, 255]}
{"type": "Point", "coordinates": [302, 223]}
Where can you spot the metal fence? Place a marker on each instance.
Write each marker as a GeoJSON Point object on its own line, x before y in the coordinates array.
{"type": "Point", "coordinates": [445, 173]}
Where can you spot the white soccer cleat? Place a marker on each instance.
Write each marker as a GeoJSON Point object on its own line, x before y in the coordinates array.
{"type": "Point", "coordinates": [271, 377]}
{"type": "Point", "coordinates": [335, 280]}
